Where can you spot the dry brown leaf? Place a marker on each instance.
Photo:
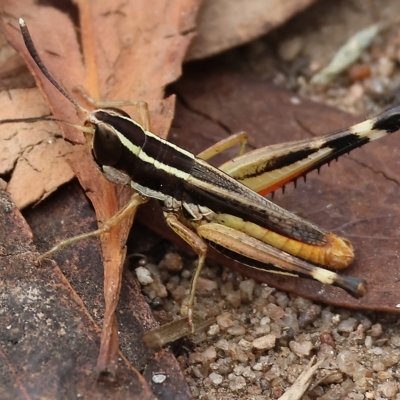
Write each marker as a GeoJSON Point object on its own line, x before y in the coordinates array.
{"type": "Point", "coordinates": [223, 24]}
{"type": "Point", "coordinates": [10, 61]}
{"type": "Point", "coordinates": [34, 153]}
{"type": "Point", "coordinates": [131, 51]}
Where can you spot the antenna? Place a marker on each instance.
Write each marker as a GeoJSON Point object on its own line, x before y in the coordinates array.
{"type": "Point", "coordinates": [85, 129]}
{"type": "Point", "coordinates": [34, 54]}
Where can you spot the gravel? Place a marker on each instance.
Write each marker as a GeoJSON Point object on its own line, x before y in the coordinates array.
{"type": "Point", "coordinates": [262, 341]}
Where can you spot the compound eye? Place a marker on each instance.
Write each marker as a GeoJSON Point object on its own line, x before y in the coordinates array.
{"type": "Point", "coordinates": [107, 148]}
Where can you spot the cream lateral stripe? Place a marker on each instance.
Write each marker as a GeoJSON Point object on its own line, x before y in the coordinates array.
{"type": "Point", "coordinates": [152, 135]}
{"type": "Point", "coordinates": [138, 151]}
{"type": "Point", "coordinates": [127, 143]}
{"type": "Point", "coordinates": [157, 164]}
{"type": "Point", "coordinates": [365, 129]}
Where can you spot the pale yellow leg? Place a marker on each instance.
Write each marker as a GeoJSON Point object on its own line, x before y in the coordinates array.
{"type": "Point", "coordinates": [135, 201]}
{"type": "Point", "coordinates": [230, 141]}
{"type": "Point", "coordinates": [200, 247]}
{"type": "Point", "coordinates": [141, 106]}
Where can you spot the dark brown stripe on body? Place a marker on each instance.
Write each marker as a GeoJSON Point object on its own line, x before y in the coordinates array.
{"type": "Point", "coordinates": [167, 154]}
{"type": "Point", "coordinates": [388, 121]}
{"type": "Point", "coordinates": [134, 133]}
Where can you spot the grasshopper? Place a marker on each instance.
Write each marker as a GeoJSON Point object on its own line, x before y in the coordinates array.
{"type": "Point", "coordinates": [223, 207]}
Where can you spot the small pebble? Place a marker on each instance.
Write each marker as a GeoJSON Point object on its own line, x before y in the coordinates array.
{"type": "Point", "coordinates": [386, 67]}
{"type": "Point", "coordinates": [274, 312]}
{"type": "Point", "coordinates": [238, 370]}
{"type": "Point", "coordinates": [179, 293]}
{"type": "Point", "coordinates": [333, 377]}
{"type": "Point", "coordinates": [377, 350]}
{"type": "Point", "coordinates": [277, 391]}
{"type": "Point", "coordinates": [215, 378]}
{"type": "Point", "coordinates": [302, 348]}
{"type": "Point", "coordinates": [258, 366]}
{"type": "Point", "coordinates": [327, 318]}
{"type": "Point", "coordinates": [236, 330]}
{"type": "Point", "coordinates": [395, 340]}
{"type": "Point", "coordinates": [159, 289]}
{"type": "Point", "coordinates": [159, 378]}
{"type": "Point", "coordinates": [209, 354]}
{"type": "Point", "coordinates": [144, 276]}
{"type": "Point", "coordinates": [273, 373]}
{"type": "Point", "coordinates": [384, 375]}
{"type": "Point", "coordinates": [368, 342]}
{"type": "Point", "coordinates": [213, 330]}
{"type": "Point", "coordinates": [266, 291]}
{"type": "Point", "coordinates": [388, 389]}
{"type": "Point", "coordinates": [302, 304]}
{"type": "Point", "coordinates": [225, 366]}
{"type": "Point", "coordinates": [246, 288]}
{"type": "Point", "coordinates": [198, 371]}
{"type": "Point", "coordinates": [265, 320]}
{"type": "Point", "coordinates": [347, 325]}
{"type": "Point", "coordinates": [186, 274]}
{"type": "Point", "coordinates": [326, 338]}
{"type": "Point", "coordinates": [237, 353]}
{"type": "Point", "coordinates": [206, 285]}
{"type": "Point", "coordinates": [358, 335]}
{"type": "Point", "coordinates": [390, 358]}
{"type": "Point", "coordinates": [378, 366]}
{"type": "Point", "coordinates": [224, 321]}
{"type": "Point", "coordinates": [253, 391]}
{"type": "Point", "coordinates": [308, 316]}
{"type": "Point", "coordinates": [366, 322]}
{"type": "Point", "coordinates": [233, 297]}
{"type": "Point", "coordinates": [347, 362]}
{"type": "Point", "coordinates": [172, 262]}
{"type": "Point", "coordinates": [195, 357]}
{"type": "Point", "coordinates": [264, 342]}
{"type": "Point", "coordinates": [290, 320]}
{"type": "Point", "coordinates": [262, 330]}
{"type": "Point", "coordinates": [245, 345]}
{"type": "Point", "coordinates": [325, 351]}
{"type": "Point", "coordinates": [282, 299]}
{"type": "Point", "coordinates": [237, 383]}
{"type": "Point", "coordinates": [376, 330]}
{"type": "Point", "coordinates": [249, 374]}
{"type": "Point", "coordinates": [356, 396]}
{"type": "Point", "coordinates": [222, 344]}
